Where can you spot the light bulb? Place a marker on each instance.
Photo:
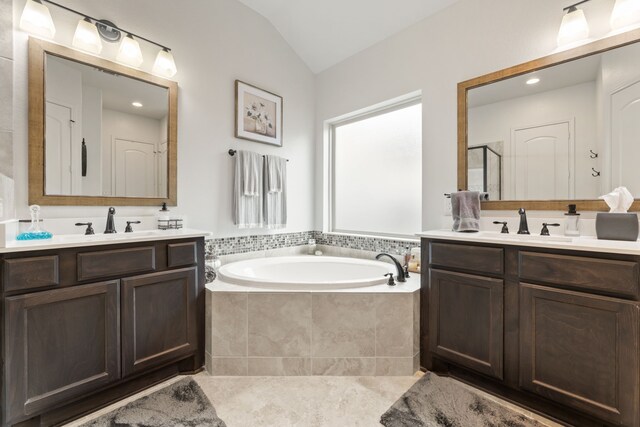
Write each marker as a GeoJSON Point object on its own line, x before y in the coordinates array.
{"type": "Point", "coordinates": [36, 19]}
{"type": "Point", "coordinates": [165, 65]}
{"type": "Point", "coordinates": [625, 13]}
{"type": "Point", "coordinates": [130, 52]}
{"type": "Point", "coordinates": [574, 27]}
{"type": "Point", "coordinates": [87, 37]}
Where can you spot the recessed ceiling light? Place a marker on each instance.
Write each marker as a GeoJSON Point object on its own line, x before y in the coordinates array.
{"type": "Point", "coordinates": [137, 104]}
{"type": "Point", "coordinates": [533, 81]}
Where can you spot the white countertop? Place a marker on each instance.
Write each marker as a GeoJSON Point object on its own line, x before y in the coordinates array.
{"type": "Point", "coordinates": [586, 243]}
{"type": "Point", "coordinates": [79, 240]}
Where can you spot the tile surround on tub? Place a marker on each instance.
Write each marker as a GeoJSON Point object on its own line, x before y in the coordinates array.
{"type": "Point", "coordinates": [306, 333]}
{"type": "Point", "coordinates": [268, 242]}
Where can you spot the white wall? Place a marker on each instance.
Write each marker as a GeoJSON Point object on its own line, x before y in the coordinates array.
{"type": "Point", "coordinates": [577, 104]}
{"type": "Point", "coordinates": [470, 38]}
{"type": "Point", "coordinates": [214, 43]}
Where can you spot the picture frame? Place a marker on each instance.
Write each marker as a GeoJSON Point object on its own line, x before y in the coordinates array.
{"type": "Point", "coordinates": [258, 114]}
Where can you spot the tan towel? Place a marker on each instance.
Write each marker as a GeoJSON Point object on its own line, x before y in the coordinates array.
{"type": "Point", "coordinates": [465, 209]}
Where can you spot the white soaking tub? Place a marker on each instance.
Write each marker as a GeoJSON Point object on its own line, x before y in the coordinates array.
{"type": "Point", "coordinates": [306, 273]}
{"type": "Point", "coordinates": [311, 315]}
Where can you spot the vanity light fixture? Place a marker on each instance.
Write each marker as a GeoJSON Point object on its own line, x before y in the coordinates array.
{"type": "Point", "coordinates": [574, 27]}
{"type": "Point", "coordinates": [165, 65]}
{"type": "Point", "coordinates": [625, 14]}
{"type": "Point", "coordinates": [533, 81]}
{"type": "Point", "coordinates": [36, 19]}
{"type": "Point", "coordinates": [137, 104]}
{"type": "Point", "coordinates": [129, 52]}
{"type": "Point", "coordinates": [87, 37]}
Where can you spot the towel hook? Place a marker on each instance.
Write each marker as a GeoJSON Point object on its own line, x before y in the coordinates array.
{"type": "Point", "coordinates": [593, 155]}
{"type": "Point", "coordinates": [595, 172]}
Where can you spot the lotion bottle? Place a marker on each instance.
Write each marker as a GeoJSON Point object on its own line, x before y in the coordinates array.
{"type": "Point", "coordinates": [572, 227]}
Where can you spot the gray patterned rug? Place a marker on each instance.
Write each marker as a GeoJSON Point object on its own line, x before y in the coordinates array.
{"type": "Point", "coordinates": [438, 401]}
{"type": "Point", "coordinates": [181, 404]}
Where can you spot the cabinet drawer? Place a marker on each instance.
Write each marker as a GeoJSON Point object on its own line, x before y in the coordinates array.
{"type": "Point", "coordinates": [117, 262]}
{"type": "Point", "coordinates": [182, 254]}
{"type": "Point", "coordinates": [466, 257]}
{"type": "Point", "coordinates": [610, 276]}
{"type": "Point", "coordinates": [30, 273]}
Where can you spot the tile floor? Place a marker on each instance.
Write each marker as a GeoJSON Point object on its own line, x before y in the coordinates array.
{"type": "Point", "coordinates": [300, 401]}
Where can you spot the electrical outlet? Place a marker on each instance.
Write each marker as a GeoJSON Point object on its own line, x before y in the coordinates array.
{"type": "Point", "coordinates": [447, 206]}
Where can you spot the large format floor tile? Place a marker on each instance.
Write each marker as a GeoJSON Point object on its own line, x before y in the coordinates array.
{"type": "Point", "coordinates": [302, 401]}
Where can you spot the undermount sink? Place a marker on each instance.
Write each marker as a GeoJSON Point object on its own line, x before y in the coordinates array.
{"type": "Point", "coordinates": [523, 237]}
{"type": "Point", "coordinates": [73, 238]}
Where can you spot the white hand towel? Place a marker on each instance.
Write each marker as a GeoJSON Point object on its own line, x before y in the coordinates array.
{"type": "Point", "coordinates": [247, 190]}
{"type": "Point", "coordinates": [275, 196]}
{"type": "Point", "coordinates": [273, 173]}
{"type": "Point", "coordinates": [251, 166]}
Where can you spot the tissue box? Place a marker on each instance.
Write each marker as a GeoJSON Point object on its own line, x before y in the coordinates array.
{"type": "Point", "coordinates": [617, 226]}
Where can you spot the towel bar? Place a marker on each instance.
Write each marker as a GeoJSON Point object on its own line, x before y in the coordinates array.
{"type": "Point", "coordinates": [233, 152]}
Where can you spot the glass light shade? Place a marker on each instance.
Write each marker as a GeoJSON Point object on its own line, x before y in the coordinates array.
{"type": "Point", "coordinates": [165, 65]}
{"type": "Point", "coordinates": [87, 37]}
{"type": "Point", "coordinates": [574, 28]}
{"type": "Point", "coordinates": [625, 13]}
{"type": "Point", "coordinates": [130, 52]}
{"type": "Point", "coordinates": [36, 19]}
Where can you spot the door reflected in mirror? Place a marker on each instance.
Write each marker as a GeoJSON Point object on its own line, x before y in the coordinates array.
{"type": "Point", "coordinates": [106, 134]}
{"type": "Point", "coordinates": [569, 131]}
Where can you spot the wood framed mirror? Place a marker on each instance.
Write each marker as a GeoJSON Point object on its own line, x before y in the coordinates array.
{"type": "Point", "coordinates": [100, 133]}
{"type": "Point", "coordinates": [560, 129]}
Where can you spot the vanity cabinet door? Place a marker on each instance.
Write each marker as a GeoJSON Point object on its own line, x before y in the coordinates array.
{"type": "Point", "coordinates": [466, 320]}
{"type": "Point", "coordinates": [60, 344]}
{"type": "Point", "coordinates": [159, 318]}
{"type": "Point", "coordinates": [581, 350]}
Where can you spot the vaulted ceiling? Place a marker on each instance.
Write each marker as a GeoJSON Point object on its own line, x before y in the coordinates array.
{"type": "Point", "coordinates": [325, 32]}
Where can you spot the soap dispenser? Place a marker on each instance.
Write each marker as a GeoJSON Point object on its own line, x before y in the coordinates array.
{"type": "Point", "coordinates": [573, 217]}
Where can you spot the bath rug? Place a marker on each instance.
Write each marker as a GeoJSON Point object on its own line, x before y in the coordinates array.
{"type": "Point", "coordinates": [439, 401]}
{"type": "Point", "coordinates": [182, 404]}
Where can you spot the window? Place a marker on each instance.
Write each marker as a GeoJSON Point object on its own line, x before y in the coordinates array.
{"type": "Point", "coordinates": [376, 172]}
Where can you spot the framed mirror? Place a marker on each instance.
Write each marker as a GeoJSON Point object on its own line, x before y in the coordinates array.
{"type": "Point", "coordinates": [100, 133]}
{"type": "Point", "coordinates": [557, 130]}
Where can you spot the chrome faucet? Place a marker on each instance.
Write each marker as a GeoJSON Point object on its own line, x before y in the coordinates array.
{"type": "Point", "coordinates": [401, 276]}
{"type": "Point", "coordinates": [524, 227]}
{"type": "Point", "coordinates": [111, 227]}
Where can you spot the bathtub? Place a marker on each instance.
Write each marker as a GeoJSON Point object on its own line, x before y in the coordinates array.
{"type": "Point", "coordinates": [300, 273]}
{"type": "Point", "coordinates": [308, 315]}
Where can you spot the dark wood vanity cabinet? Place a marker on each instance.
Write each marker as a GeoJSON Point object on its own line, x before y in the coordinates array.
{"type": "Point", "coordinates": [466, 320]}
{"type": "Point", "coordinates": [581, 350]}
{"type": "Point", "coordinates": [79, 334]}
{"type": "Point", "coordinates": [61, 344]}
{"type": "Point", "coordinates": [556, 331]}
{"type": "Point", "coordinates": [159, 318]}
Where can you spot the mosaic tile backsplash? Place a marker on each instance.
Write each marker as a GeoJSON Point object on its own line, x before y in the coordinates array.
{"type": "Point", "coordinates": [244, 244]}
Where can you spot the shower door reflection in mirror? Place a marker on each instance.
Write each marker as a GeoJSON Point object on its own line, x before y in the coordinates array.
{"type": "Point", "coordinates": [106, 134]}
